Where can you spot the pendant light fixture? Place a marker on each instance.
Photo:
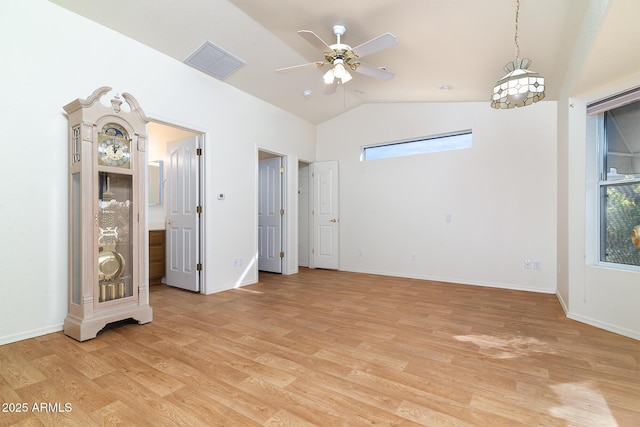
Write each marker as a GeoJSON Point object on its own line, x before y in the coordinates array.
{"type": "Point", "coordinates": [520, 87]}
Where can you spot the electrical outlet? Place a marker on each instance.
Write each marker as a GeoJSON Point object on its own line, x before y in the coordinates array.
{"type": "Point", "coordinates": [527, 264]}
{"type": "Point", "coordinates": [413, 257]}
{"type": "Point", "coordinates": [360, 252]}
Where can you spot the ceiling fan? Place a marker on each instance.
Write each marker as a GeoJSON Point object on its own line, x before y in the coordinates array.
{"type": "Point", "coordinates": [343, 58]}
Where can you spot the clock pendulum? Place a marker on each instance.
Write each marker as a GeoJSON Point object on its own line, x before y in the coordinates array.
{"type": "Point", "coordinates": [110, 262]}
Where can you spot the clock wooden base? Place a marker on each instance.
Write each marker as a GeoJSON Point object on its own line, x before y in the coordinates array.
{"type": "Point", "coordinates": [88, 328]}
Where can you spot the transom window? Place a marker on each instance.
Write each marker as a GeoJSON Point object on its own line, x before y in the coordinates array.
{"type": "Point", "coordinates": [430, 144]}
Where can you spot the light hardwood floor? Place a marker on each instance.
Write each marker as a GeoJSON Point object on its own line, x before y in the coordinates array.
{"type": "Point", "coordinates": [331, 348]}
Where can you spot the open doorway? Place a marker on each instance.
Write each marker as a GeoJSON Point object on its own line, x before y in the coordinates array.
{"type": "Point", "coordinates": [271, 212]}
{"type": "Point", "coordinates": [166, 243]}
{"type": "Point", "coordinates": [316, 224]}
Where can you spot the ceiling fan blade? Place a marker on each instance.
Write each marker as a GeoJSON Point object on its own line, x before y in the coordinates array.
{"type": "Point", "coordinates": [375, 72]}
{"type": "Point", "coordinates": [375, 45]}
{"type": "Point", "coordinates": [300, 67]}
{"type": "Point", "coordinates": [331, 89]}
{"type": "Point", "coordinates": [316, 41]}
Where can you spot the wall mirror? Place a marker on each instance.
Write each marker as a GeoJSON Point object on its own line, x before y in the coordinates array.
{"type": "Point", "coordinates": [155, 182]}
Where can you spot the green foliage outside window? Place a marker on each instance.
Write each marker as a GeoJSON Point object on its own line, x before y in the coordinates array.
{"type": "Point", "coordinates": [622, 214]}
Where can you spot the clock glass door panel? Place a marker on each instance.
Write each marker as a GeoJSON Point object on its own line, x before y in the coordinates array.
{"type": "Point", "coordinates": [76, 238]}
{"type": "Point", "coordinates": [115, 240]}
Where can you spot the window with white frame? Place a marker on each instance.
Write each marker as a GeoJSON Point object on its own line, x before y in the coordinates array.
{"type": "Point", "coordinates": [618, 138]}
{"type": "Point", "coordinates": [430, 144]}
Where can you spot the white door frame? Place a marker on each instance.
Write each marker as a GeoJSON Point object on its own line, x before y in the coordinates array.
{"type": "Point", "coordinates": [204, 137]}
{"type": "Point", "coordinates": [304, 244]}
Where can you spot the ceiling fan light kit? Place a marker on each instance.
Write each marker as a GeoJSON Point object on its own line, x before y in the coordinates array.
{"type": "Point", "coordinates": [337, 72]}
{"type": "Point", "coordinates": [520, 87]}
{"type": "Point", "coordinates": [343, 58]}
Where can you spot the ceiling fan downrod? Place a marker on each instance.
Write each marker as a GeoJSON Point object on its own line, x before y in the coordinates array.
{"type": "Point", "coordinates": [339, 31]}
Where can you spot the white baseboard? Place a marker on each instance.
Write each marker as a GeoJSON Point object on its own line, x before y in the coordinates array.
{"type": "Point", "coordinates": [604, 325]}
{"type": "Point", "coordinates": [30, 334]}
{"type": "Point", "coordinates": [454, 280]}
{"type": "Point", "coordinates": [563, 304]}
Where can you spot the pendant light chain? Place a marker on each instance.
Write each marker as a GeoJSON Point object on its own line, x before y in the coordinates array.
{"type": "Point", "coordinates": [516, 36]}
{"type": "Point", "coordinates": [521, 86]}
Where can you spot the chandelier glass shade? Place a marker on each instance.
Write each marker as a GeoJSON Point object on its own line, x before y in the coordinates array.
{"type": "Point", "coordinates": [521, 86]}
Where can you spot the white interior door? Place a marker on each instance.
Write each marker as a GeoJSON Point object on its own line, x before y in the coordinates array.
{"type": "Point", "coordinates": [270, 215]}
{"type": "Point", "coordinates": [183, 224]}
{"type": "Point", "coordinates": [326, 225]}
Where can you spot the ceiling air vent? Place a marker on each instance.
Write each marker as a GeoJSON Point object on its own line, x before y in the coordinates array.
{"type": "Point", "coordinates": [214, 61]}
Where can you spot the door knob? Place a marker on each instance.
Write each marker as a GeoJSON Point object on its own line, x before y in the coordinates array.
{"type": "Point", "coordinates": [333, 220]}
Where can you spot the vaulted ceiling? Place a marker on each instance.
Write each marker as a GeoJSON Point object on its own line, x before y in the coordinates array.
{"type": "Point", "coordinates": [447, 50]}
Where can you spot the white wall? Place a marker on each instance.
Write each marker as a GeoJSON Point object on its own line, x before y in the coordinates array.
{"type": "Point", "coordinates": [50, 57]}
{"type": "Point", "coordinates": [598, 295]}
{"type": "Point", "coordinates": [500, 194]}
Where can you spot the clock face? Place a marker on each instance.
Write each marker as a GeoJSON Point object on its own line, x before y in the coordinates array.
{"type": "Point", "coordinates": [114, 146]}
{"type": "Point", "coordinates": [114, 152]}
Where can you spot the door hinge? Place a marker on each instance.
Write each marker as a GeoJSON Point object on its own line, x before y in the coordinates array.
{"type": "Point", "coordinates": [198, 151]}
{"type": "Point", "coordinates": [198, 210]}
{"type": "Point", "coordinates": [199, 266]}
{"type": "Point", "coordinates": [281, 254]}
{"type": "Point", "coordinates": [281, 169]}
{"type": "Point", "coordinates": [281, 212]}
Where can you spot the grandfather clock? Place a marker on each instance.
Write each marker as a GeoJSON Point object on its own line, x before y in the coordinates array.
{"type": "Point", "coordinates": [107, 250]}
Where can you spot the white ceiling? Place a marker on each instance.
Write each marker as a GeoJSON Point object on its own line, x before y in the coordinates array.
{"type": "Point", "coordinates": [458, 43]}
